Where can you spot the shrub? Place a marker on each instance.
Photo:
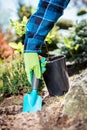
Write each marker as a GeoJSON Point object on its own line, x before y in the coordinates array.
{"type": "Point", "coordinates": [20, 26]}
{"type": "Point", "coordinates": [13, 77]}
{"type": "Point", "coordinates": [75, 45]}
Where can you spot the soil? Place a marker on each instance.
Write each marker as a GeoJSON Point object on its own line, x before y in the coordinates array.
{"type": "Point", "coordinates": [49, 118]}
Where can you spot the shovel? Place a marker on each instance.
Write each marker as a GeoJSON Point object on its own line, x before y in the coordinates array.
{"type": "Point", "coordinates": [33, 102]}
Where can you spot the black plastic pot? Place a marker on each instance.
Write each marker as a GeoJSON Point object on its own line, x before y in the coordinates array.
{"type": "Point", "coordinates": [56, 76]}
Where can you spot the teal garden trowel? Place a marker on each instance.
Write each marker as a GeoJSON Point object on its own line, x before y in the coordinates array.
{"type": "Point", "coordinates": [33, 102]}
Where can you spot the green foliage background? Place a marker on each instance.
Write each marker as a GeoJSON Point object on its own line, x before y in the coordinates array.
{"type": "Point", "coordinates": [75, 45]}
{"type": "Point", "coordinates": [13, 78]}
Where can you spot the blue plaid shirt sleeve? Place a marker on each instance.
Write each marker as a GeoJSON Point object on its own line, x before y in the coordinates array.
{"type": "Point", "coordinates": [41, 22]}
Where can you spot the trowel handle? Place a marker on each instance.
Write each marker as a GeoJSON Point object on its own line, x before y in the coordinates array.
{"type": "Point", "coordinates": [35, 83]}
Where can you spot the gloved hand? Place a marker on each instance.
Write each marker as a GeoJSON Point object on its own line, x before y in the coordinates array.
{"type": "Point", "coordinates": [32, 65]}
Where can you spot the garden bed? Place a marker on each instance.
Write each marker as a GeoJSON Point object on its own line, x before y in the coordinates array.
{"type": "Point", "coordinates": [49, 118]}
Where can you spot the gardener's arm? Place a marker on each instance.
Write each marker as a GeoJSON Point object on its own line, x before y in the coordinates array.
{"type": "Point", "coordinates": [37, 28]}
{"type": "Point", "coordinates": [41, 22]}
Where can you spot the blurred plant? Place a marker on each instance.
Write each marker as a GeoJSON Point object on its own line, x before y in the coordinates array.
{"type": "Point", "coordinates": [53, 36]}
{"type": "Point", "coordinates": [81, 12]}
{"type": "Point", "coordinates": [9, 35]}
{"type": "Point", "coordinates": [20, 26]}
{"type": "Point", "coordinates": [51, 41]}
{"type": "Point", "coordinates": [75, 45]}
{"type": "Point", "coordinates": [25, 11]}
{"type": "Point", "coordinates": [18, 48]}
{"type": "Point", "coordinates": [13, 78]}
{"type": "Point", "coordinates": [6, 52]}
{"type": "Point", "coordinates": [64, 24]}
{"type": "Point", "coordinates": [68, 48]}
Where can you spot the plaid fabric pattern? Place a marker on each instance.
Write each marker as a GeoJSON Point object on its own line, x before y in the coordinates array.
{"type": "Point", "coordinates": [41, 22]}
